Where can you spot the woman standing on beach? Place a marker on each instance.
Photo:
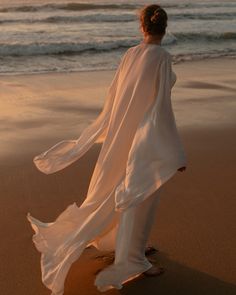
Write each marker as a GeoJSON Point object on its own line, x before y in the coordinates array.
{"type": "Point", "coordinates": [140, 152]}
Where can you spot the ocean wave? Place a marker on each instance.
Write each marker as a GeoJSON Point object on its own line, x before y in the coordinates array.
{"type": "Point", "coordinates": [92, 18]}
{"type": "Point", "coordinates": [73, 6]}
{"type": "Point", "coordinates": [203, 16]}
{"type": "Point", "coordinates": [208, 4]}
{"type": "Point", "coordinates": [56, 48]}
{"type": "Point", "coordinates": [230, 53]}
{"type": "Point", "coordinates": [34, 49]}
{"type": "Point", "coordinates": [67, 6]}
{"type": "Point", "coordinates": [203, 36]}
{"type": "Point", "coordinates": [62, 48]}
{"type": "Point", "coordinates": [125, 17]}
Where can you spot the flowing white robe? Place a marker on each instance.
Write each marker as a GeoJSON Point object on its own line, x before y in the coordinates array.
{"type": "Point", "coordinates": [141, 151]}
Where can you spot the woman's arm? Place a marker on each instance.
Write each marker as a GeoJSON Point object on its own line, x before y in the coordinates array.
{"type": "Point", "coordinates": [165, 108]}
{"type": "Point", "coordinates": [66, 152]}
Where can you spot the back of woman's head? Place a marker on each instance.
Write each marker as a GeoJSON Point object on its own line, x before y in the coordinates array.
{"type": "Point", "coordinates": [153, 19]}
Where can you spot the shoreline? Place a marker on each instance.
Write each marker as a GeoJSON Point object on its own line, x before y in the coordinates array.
{"type": "Point", "coordinates": [207, 58]}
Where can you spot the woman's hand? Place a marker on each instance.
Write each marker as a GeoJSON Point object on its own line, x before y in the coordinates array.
{"type": "Point", "coordinates": [182, 169]}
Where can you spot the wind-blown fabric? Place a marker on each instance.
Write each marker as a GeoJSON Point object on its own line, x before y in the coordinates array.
{"type": "Point", "coordinates": [140, 152]}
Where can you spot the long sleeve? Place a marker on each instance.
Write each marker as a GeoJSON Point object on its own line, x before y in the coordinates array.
{"type": "Point", "coordinates": [66, 152]}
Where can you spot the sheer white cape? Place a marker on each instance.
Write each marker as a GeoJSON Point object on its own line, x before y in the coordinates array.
{"type": "Point", "coordinates": [140, 152]}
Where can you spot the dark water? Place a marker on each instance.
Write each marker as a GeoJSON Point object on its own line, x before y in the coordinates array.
{"type": "Point", "coordinates": [92, 35]}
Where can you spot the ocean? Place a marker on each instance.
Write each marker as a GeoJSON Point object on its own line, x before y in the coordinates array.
{"type": "Point", "coordinates": [65, 36]}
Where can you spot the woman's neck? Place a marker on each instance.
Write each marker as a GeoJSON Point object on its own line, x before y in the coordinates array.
{"type": "Point", "coordinates": [152, 39]}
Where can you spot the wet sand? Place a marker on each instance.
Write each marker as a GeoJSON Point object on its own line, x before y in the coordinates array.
{"type": "Point", "coordinates": [194, 228]}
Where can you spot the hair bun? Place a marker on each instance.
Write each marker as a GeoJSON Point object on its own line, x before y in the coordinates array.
{"type": "Point", "coordinates": [154, 17]}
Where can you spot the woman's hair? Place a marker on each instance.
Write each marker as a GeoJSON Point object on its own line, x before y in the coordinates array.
{"type": "Point", "coordinates": [153, 19]}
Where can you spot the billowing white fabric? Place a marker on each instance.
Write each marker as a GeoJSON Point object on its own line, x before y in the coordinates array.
{"type": "Point", "coordinates": [140, 152]}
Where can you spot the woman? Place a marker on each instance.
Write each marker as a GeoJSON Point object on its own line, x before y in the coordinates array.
{"type": "Point", "coordinates": [140, 152]}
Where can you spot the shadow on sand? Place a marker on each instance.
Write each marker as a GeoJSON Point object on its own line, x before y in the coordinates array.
{"type": "Point", "coordinates": [177, 280]}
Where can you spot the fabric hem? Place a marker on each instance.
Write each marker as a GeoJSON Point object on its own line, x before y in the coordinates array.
{"type": "Point", "coordinates": [104, 288]}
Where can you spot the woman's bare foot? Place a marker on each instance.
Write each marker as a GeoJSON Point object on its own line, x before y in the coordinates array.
{"type": "Point", "coordinates": [154, 271]}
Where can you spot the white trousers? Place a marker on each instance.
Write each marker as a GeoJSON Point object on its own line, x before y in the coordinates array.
{"type": "Point", "coordinates": [130, 260]}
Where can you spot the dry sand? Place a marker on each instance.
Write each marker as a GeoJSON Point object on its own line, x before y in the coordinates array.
{"type": "Point", "coordinates": [195, 222]}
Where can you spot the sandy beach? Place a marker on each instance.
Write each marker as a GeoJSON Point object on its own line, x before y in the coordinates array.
{"type": "Point", "coordinates": [194, 228]}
